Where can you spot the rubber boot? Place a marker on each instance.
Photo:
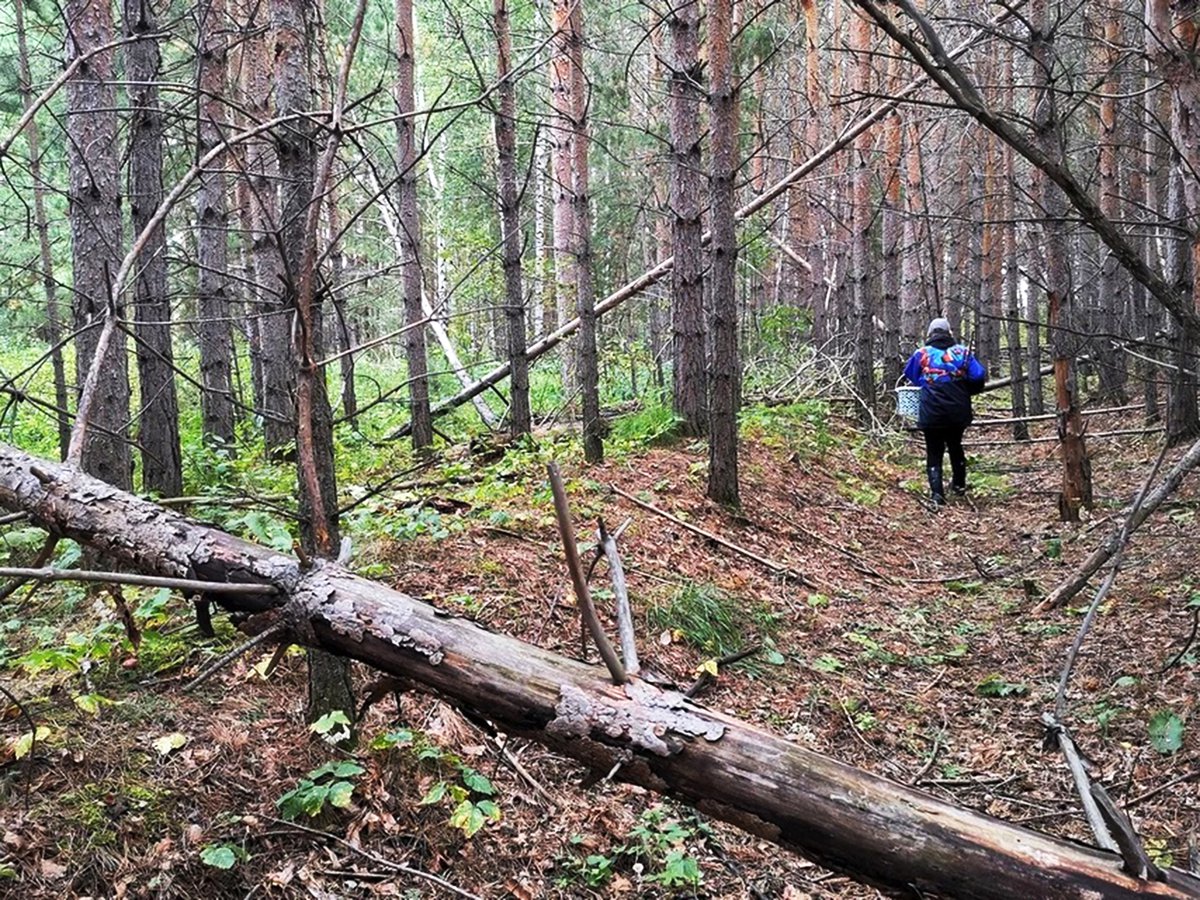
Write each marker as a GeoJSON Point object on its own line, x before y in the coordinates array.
{"type": "Point", "coordinates": [936, 488]}
{"type": "Point", "coordinates": [958, 477]}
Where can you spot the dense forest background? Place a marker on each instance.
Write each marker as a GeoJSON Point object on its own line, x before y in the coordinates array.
{"type": "Point", "coordinates": [342, 276]}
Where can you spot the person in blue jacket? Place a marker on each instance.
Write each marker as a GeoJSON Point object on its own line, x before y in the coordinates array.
{"type": "Point", "coordinates": [949, 375]}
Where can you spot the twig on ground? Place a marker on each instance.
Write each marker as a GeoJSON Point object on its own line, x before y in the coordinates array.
{"type": "Point", "coordinates": [223, 661]}
{"type": "Point", "coordinates": [1151, 794]}
{"type": "Point", "coordinates": [777, 568]}
{"type": "Point", "coordinates": [706, 678]}
{"type": "Point", "coordinates": [1187, 645]}
{"type": "Point", "coordinates": [378, 860]}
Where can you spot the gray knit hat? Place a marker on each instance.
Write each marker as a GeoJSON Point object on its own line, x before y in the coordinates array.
{"type": "Point", "coordinates": [937, 325]}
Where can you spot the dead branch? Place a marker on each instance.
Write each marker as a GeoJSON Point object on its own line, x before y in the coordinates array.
{"type": "Point", "coordinates": [178, 584]}
{"type": "Point", "coordinates": [777, 568]}
{"type": "Point", "coordinates": [1135, 516]}
{"type": "Point", "coordinates": [625, 629]}
{"type": "Point", "coordinates": [587, 608]}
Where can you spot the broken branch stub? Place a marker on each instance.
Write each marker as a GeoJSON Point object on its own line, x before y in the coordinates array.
{"type": "Point", "coordinates": [897, 838]}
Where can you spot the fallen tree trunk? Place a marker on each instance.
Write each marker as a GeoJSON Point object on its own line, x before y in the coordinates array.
{"type": "Point", "coordinates": [875, 831]}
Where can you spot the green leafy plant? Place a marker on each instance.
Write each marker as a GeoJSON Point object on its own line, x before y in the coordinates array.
{"type": "Point", "coordinates": [996, 685]}
{"type": "Point", "coordinates": [1166, 732]}
{"type": "Point", "coordinates": [222, 856]}
{"type": "Point", "coordinates": [330, 784]}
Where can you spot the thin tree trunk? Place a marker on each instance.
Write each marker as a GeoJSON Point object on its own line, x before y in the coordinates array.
{"type": "Point", "coordinates": [53, 330]}
{"type": "Point", "coordinates": [212, 231]}
{"type": "Point", "coordinates": [585, 295]}
{"type": "Point", "coordinates": [328, 676]}
{"type": "Point", "coordinates": [689, 387]}
{"type": "Point", "coordinates": [725, 366]}
{"type": "Point", "coordinates": [1076, 475]}
{"type": "Point", "coordinates": [562, 134]}
{"type": "Point", "coordinates": [863, 216]}
{"type": "Point", "coordinates": [510, 225]}
{"type": "Point", "coordinates": [158, 421]}
{"type": "Point", "coordinates": [1112, 284]}
{"type": "Point", "coordinates": [274, 312]}
{"type": "Point", "coordinates": [411, 260]}
{"type": "Point", "coordinates": [93, 159]}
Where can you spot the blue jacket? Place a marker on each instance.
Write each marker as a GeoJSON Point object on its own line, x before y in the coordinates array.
{"type": "Point", "coordinates": [948, 374]}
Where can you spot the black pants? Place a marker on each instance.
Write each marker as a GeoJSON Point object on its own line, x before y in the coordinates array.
{"type": "Point", "coordinates": [937, 442]}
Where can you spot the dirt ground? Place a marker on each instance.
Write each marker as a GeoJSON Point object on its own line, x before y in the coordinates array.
{"type": "Point", "coordinates": [916, 656]}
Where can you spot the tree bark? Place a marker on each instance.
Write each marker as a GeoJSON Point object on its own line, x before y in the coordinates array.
{"type": "Point", "coordinates": [510, 224]}
{"type": "Point", "coordinates": [725, 373]}
{"type": "Point", "coordinates": [411, 259]}
{"type": "Point", "coordinates": [863, 215]}
{"type": "Point", "coordinates": [689, 388]}
{"type": "Point", "coordinates": [328, 681]}
{"type": "Point", "coordinates": [274, 313]}
{"type": "Point", "coordinates": [894, 837]}
{"type": "Point", "coordinates": [212, 232]}
{"type": "Point", "coordinates": [96, 235]}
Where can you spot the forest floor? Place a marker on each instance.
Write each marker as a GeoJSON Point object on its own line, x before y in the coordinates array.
{"type": "Point", "coordinates": [916, 656]}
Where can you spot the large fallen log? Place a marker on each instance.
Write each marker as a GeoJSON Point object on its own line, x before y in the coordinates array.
{"type": "Point", "coordinates": [899, 839]}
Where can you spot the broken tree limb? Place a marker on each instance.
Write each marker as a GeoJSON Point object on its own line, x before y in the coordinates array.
{"type": "Point", "coordinates": [1135, 516]}
{"type": "Point", "coordinates": [777, 568]}
{"type": "Point", "coordinates": [625, 630]}
{"type": "Point", "coordinates": [895, 837]}
{"type": "Point", "coordinates": [587, 608]}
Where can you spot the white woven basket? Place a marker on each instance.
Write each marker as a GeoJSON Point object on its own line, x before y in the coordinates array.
{"type": "Point", "coordinates": [908, 401]}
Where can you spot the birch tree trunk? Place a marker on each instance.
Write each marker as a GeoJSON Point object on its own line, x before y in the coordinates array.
{"type": "Point", "coordinates": [93, 158]}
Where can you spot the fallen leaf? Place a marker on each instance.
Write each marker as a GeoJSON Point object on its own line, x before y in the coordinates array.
{"type": "Point", "coordinates": [169, 742]}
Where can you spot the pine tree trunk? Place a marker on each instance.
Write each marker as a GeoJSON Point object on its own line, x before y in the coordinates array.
{"type": "Point", "coordinates": [53, 329]}
{"type": "Point", "coordinates": [1076, 474]}
{"type": "Point", "coordinates": [93, 158]}
{"type": "Point", "coordinates": [863, 216]}
{"type": "Point", "coordinates": [725, 367]}
{"type": "Point", "coordinates": [411, 261]}
{"type": "Point", "coordinates": [274, 313]}
{"type": "Point", "coordinates": [212, 232]}
{"type": "Point", "coordinates": [328, 679]}
{"type": "Point", "coordinates": [158, 424]}
{"type": "Point", "coordinates": [585, 294]}
{"type": "Point", "coordinates": [510, 225]}
{"type": "Point", "coordinates": [689, 385]}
